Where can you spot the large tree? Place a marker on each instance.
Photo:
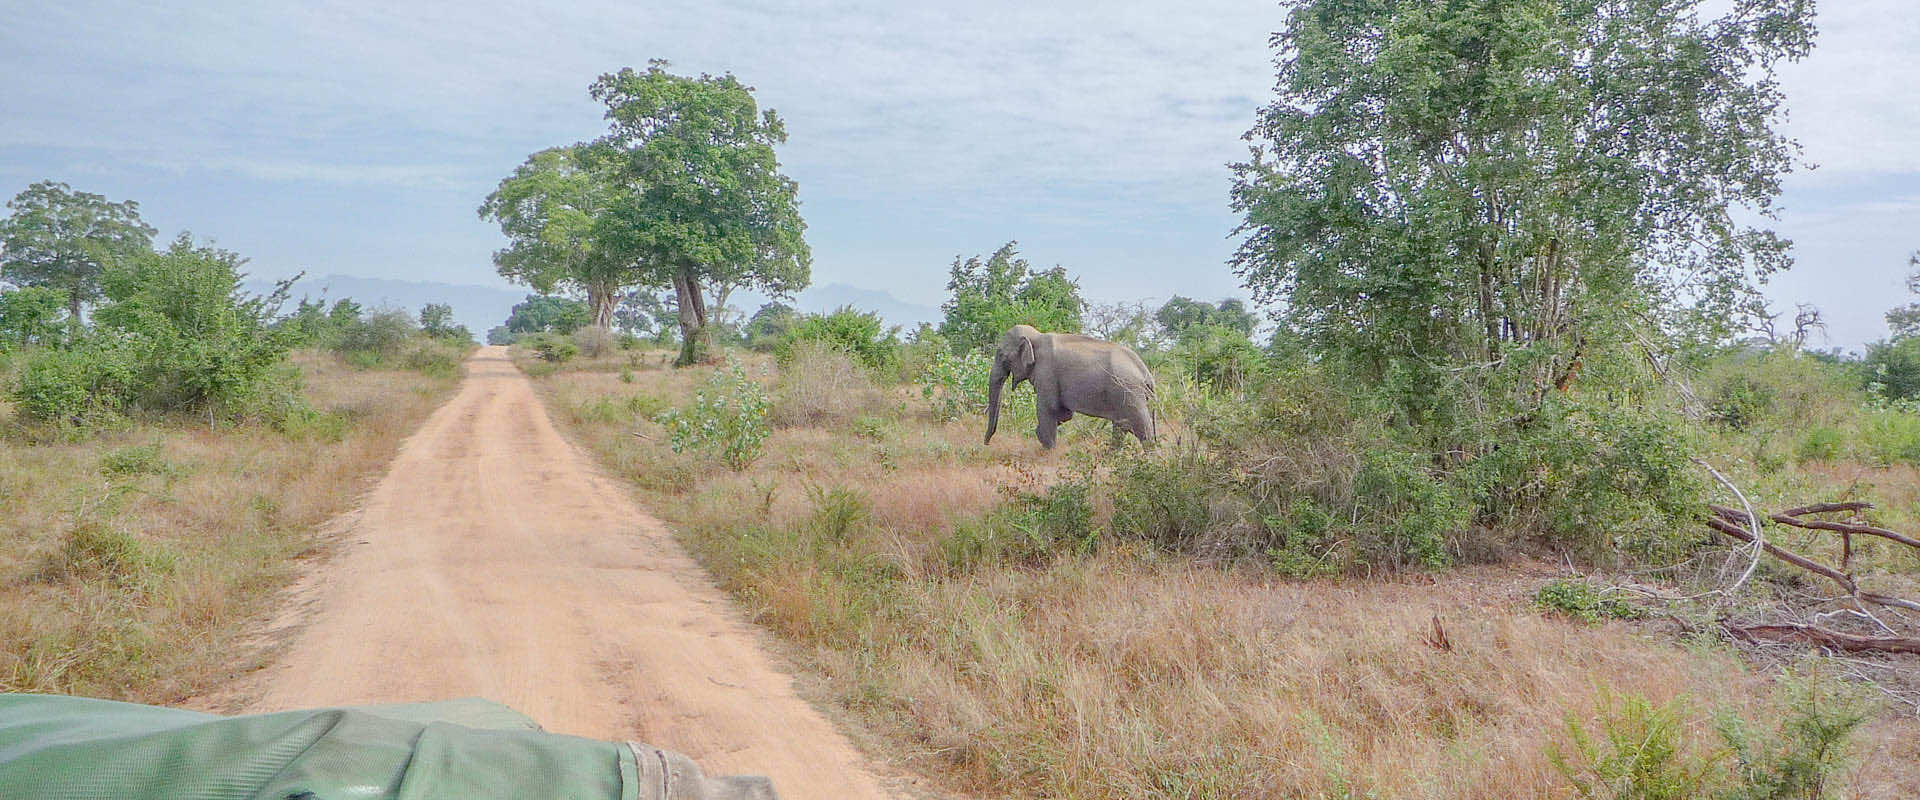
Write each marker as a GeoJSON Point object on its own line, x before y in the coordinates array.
{"type": "Point", "coordinates": [703, 204]}
{"type": "Point", "coordinates": [1002, 290]}
{"type": "Point", "coordinates": [1480, 194]}
{"type": "Point", "coordinates": [62, 239]}
{"type": "Point", "coordinates": [553, 209]}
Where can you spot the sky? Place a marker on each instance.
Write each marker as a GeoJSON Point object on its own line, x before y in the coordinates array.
{"type": "Point", "coordinates": [359, 138]}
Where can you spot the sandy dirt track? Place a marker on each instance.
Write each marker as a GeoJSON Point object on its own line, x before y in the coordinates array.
{"type": "Point", "coordinates": [493, 561]}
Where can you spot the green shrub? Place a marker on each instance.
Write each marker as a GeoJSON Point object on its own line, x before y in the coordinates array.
{"type": "Point", "coordinates": [435, 357]}
{"type": "Point", "coordinates": [1741, 402]}
{"type": "Point", "coordinates": [139, 459]}
{"type": "Point", "coordinates": [95, 377]}
{"type": "Point", "coordinates": [956, 386]}
{"type": "Point", "coordinates": [552, 348]}
{"type": "Point", "coordinates": [1640, 754]}
{"type": "Point", "coordinates": [31, 315]}
{"type": "Point", "coordinates": [1403, 515]}
{"type": "Point", "coordinates": [1798, 759]}
{"type": "Point", "coordinates": [1893, 368]}
{"type": "Point", "coordinates": [861, 334]}
{"type": "Point", "coordinates": [1029, 530]}
{"type": "Point", "coordinates": [1821, 444]}
{"type": "Point", "coordinates": [381, 335]}
{"type": "Point", "coordinates": [1579, 600]}
{"type": "Point", "coordinates": [1169, 500]}
{"type": "Point", "coordinates": [726, 420]}
{"type": "Point", "coordinates": [95, 550]}
{"type": "Point", "coordinates": [1891, 434]}
{"type": "Point", "coordinates": [1308, 541]}
{"type": "Point", "coordinates": [837, 511]}
{"type": "Point", "coordinates": [1220, 357]}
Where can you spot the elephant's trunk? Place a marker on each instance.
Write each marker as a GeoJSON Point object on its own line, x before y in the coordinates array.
{"type": "Point", "coordinates": [994, 383]}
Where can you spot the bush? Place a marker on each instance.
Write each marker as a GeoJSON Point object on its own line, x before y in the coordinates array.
{"type": "Point", "coordinates": [1579, 600]}
{"type": "Point", "coordinates": [1403, 515]}
{"type": "Point", "coordinates": [1178, 502]}
{"type": "Point", "coordinates": [1741, 402]}
{"type": "Point", "coordinates": [76, 385]}
{"type": "Point", "coordinates": [956, 386]}
{"type": "Point", "coordinates": [1894, 368]}
{"type": "Point", "coordinates": [552, 348]}
{"type": "Point", "coordinates": [1796, 760]}
{"type": "Point", "coordinates": [1030, 530]}
{"type": "Point", "coordinates": [1221, 357]}
{"type": "Point", "coordinates": [821, 384]}
{"type": "Point", "coordinates": [1821, 444]}
{"type": "Point", "coordinates": [93, 550]}
{"type": "Point", "coordinates": [727, 419]}
{"type": "Point", "coordinates": [860, 334]}
{"type": "Point", "coordinates": [1640, 754]}
{"type": "Point", "coordinates": [436, 357]}
{"type": "Point", "coordinates": [31, 315]}
{"type": "Point", "coordinates": [376, 337]}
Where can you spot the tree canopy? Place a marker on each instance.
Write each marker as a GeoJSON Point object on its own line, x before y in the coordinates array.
{"type": "Point", "coordinates": [553, 210]}
{"type": "Point", "coordinates": [62, 239]}
{"type": "Point", "coordinates": [1182, 314]}
{"type": "Point", "coordinates": [544, 313]}
{"type": "Point", "coordinates": [996, 293]}
{"type": "Point", "coordinates": [1486, 193]}
{"type": "Point", "coordinates": [704, 205]}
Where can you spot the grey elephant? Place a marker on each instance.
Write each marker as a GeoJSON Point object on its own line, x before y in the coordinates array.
{"type": "Point", "coordinates": [1073, 374]}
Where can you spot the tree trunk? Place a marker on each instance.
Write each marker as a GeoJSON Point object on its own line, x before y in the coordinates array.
{"type": "Point", "coordinates": [601, 299]}
{"type": "Point", "coordinates": [694, 345]}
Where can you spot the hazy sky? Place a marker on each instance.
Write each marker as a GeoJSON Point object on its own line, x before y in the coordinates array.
{"type": "Point", "coordinates": [359, 138]}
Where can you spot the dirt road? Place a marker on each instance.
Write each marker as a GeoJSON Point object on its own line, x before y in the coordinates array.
{"type": "Point", "coordinates": [493, 561]}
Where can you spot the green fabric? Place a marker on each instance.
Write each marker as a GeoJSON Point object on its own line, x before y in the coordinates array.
{"type": "Point", "coordinates": [73, 747]}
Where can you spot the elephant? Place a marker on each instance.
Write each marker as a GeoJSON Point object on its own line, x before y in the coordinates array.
{"type": "Point", "coordinates": [1073, 374]}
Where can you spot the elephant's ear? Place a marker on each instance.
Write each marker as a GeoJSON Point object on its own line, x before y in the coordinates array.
{"type": "Point", "coordinates": [1026, 356]}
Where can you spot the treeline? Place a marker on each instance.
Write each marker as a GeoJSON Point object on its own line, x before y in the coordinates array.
{"type": "Point", "coordinates": [98, 324]}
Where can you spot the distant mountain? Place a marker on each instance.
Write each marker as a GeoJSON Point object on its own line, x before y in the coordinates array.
{"type": "Point", "coordinates": [477, 307]}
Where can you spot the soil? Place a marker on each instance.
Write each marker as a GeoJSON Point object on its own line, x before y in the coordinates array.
{"type": "Point", "coordinates": [493, 561]}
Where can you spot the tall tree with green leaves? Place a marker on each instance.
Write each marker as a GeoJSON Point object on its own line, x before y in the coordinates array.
{"type": "Point", "coordinates": [1481, 195]}
{"type": "Point", "coordinates": [703, 204]}
{"type": "Point", "coordinates": [1002, 290]}
{"type": "Point", "coordinates": [553, 209]}
{"type": "Point", "coordinates": [62, 239]}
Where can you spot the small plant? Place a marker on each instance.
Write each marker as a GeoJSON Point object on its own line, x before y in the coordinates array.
{"type": "Point", "coordinates": [141, 459]}
{"type": "Point", "coordinates": [1578, 599]}
{"type": "Point", "coordinates": [727, 419]}
{"type": "Point", "coordinates": [838, 511]}
{"type": "Point", "coordinates": [872, 426]}
{"type": "Point", "coordinates": [1639, 754]}
{"type": "Point", "coordinates": [1798, 760]}
{"type": "Point", "coordinates": [1821, 444]}
{"type": "Point", "coordinates": [93, 550]}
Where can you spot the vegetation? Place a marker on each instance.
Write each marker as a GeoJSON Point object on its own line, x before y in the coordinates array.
{"type": "Point", "coordinates": [992, 295]}
{"type": "Point", "coordinates": [135, 561]}
{"type": "Point", "coordinates": [57, 238]}
{"type": "Point", "coordinates": [995, 615]}
{"type": "Point", "coordinates": [684, 192]}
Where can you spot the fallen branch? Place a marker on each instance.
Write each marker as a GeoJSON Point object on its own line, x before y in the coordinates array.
{"type": "Point", "coordinates": [1826, 638]}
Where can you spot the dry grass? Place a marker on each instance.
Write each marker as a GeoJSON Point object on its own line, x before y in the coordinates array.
{"type": "Point", "coordinates": [1130, 673]}
{"type": "Point", "coordinates": [132, 562]}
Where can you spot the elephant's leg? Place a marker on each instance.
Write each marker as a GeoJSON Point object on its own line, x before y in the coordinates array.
{"type": "Point", "coordinates": [1046, 429]}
